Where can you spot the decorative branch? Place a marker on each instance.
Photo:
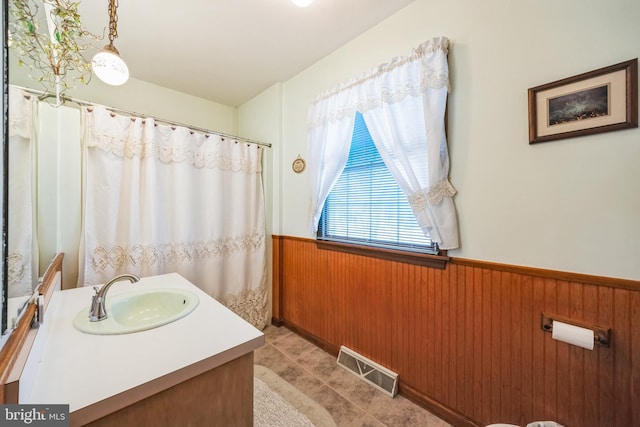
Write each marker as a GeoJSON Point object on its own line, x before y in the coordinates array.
{"type": "Point", "coordinates": [54, 55]}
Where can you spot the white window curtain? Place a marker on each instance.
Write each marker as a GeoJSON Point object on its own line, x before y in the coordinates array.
{"type": "Point", "coordinates": [22, 243]}
{"type": "Point", "coordinates": [403, 104]}
{"type": "Point", "coordinates": [161, 199]}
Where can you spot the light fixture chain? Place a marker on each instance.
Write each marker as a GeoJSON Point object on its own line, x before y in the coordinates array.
{"type": "Point", "coordinates": [113, 20]}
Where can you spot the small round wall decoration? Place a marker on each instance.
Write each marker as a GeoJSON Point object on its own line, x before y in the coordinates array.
{"type": "Point", "coordinates": [298, 164]}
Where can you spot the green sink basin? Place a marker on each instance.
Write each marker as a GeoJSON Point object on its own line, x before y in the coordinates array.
{"type": "Point", "coordinates": [138, 311]}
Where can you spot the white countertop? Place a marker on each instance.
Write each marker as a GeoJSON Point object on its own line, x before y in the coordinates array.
{"type": "Point", "coordinates": [101, 373]}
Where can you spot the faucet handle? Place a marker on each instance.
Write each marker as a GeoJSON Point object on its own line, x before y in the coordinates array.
{"type": "Point", "coordinates": [95, 301]}
{"type": "Point", "coordinates": [95, 298]}
{"type": "Point", "coordinates": [97, 310]}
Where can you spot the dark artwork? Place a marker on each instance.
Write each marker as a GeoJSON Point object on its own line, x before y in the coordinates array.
{"type": "Point", "coordinates": [582, 105]}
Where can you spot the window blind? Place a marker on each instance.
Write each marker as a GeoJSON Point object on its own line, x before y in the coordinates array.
{"type": "Point", "coordinates": [366, 206]}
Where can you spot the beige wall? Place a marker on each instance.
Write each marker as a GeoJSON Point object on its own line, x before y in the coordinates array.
{"type": "Point", "coordinates": [262, 121]}
{"type": "Point", "coordinates": [570, 205]}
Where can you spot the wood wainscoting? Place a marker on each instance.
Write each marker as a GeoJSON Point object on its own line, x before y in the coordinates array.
{"type": "Point", "coordinates": [467, 341]}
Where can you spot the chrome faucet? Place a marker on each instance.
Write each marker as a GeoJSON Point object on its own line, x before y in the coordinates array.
{"type": "Point", "coordinates": [98, 310]}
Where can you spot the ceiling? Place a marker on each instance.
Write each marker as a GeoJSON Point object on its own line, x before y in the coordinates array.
{"type": "Point", "coordinates": [228, 51]}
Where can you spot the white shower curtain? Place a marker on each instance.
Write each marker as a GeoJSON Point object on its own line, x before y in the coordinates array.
{"type": "Point", "coordinates": [160, 199]}
{"type": "Point", "coordinates": [23, 246]}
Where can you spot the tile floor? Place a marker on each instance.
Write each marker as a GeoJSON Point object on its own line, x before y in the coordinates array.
{"type": "Point", "coordinates": [351, 401]}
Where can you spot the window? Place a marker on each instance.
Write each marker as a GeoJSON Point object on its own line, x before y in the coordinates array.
{"type": "Point", "coordinates": [406, 102]}
{"type": "Point", "coordinates": [367, 207]}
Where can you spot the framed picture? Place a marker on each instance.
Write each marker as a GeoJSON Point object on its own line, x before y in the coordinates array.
{"type": "Point", "coordinates": [598, 101]}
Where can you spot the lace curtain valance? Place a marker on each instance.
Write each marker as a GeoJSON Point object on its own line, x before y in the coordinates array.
{"type": "Point", "coordinates": [388, 83]}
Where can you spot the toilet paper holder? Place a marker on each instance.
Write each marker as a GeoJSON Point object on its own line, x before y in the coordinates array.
{"type": "Point", "coordinates": [601, 336]}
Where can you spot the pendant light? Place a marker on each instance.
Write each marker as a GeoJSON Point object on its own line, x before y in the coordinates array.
{"type": "Point", "coordinates": [107, 64]}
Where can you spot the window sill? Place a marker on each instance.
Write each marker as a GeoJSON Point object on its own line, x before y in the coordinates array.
{"type": "Point", "coordinates": [426, 260]}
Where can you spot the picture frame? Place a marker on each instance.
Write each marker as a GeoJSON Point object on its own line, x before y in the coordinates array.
{"type": "Point", "coordinates": [597, 101]}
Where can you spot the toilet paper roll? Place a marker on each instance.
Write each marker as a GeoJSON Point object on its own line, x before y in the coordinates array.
{"type": "Point", "coordinates": [544, 424]}
{"type": "Point", "coordinates": [572, 334]}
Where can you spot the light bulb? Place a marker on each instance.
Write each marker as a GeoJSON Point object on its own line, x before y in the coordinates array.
{"type": "Point", "coordinates": [109, 67]}
{"type": "Point", "coordinates": [302, 3]}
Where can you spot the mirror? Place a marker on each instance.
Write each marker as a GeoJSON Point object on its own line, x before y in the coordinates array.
{"type": "Point", "coordinates": [21, 253]}
{"type": "Point", "coordinates": [40, 183]}
{"type": "Point", "coordinates": [3, 188]}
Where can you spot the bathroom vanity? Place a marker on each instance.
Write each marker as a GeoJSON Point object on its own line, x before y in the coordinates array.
{"type": "Point", "coordinates": [197, 370]}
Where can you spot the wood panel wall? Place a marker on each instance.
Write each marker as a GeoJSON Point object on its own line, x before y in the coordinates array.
{"type": "Point", "coordinates": [467, 341]}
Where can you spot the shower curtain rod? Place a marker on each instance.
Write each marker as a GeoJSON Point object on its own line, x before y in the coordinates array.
{"type": "Point", "coordinates": [42, 95]}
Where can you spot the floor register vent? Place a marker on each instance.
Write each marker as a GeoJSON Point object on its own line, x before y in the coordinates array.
{"type": "Point", "coordinates": [378, 376]}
